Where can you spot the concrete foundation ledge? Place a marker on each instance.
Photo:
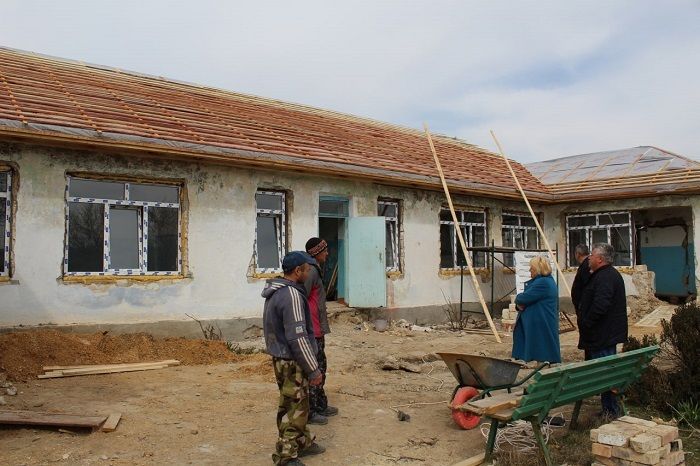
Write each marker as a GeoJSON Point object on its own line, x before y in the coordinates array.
{"type": "Point", "coordinates": [231, 329]}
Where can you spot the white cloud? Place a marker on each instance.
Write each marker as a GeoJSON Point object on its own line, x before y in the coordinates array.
{"type": "Point", "coordinates": [552, 78]}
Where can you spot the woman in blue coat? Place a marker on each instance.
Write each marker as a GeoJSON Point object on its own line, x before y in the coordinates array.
{"type": "Point", "coordinates": [536, 333]}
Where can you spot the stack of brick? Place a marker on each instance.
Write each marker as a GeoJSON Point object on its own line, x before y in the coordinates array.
{"type": "Point", "coordinates": [629, 441]}
{"type": "Point", "coordinates": [509, 315]}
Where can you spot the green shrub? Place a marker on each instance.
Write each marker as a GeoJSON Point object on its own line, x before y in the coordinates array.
{"type": "Point", "coordinates": [653, 389]}
{"type": "Point", "coordinates": [688, 413]}
{"type": "Point", "coordinates": [681, 339]}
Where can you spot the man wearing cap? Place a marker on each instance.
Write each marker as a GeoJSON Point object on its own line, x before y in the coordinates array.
{"type": "Point", "coordinates": [318, 249]}
{"type": "Point", "coordinates": [289, 340]}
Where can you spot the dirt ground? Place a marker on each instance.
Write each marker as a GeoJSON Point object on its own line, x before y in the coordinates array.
{"type": "Point", "coordinates": [224, 413]}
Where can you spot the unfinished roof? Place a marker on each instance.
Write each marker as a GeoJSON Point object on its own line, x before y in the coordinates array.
{"type": "Point", "coordinates": [634, 171]}
{"type": "Point", "coordinates": [49, 99]}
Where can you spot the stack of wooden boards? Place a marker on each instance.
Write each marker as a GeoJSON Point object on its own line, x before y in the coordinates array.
{"type": "Point", "coordinates": [71, 371]}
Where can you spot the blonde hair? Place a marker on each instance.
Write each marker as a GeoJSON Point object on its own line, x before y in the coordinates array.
{"type": "Point", "coordinates": [541, 265]}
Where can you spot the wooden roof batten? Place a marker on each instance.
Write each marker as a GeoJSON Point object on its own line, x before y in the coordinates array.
{"type": "Point", "coordinates": [90, 105]}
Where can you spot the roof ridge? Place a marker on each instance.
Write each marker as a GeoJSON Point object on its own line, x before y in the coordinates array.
{"type": "Point", "coordinates": [254, 98]}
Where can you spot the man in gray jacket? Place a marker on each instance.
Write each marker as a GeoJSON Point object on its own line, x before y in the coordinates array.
{"type": "Point", "coordinates": [289, 340]}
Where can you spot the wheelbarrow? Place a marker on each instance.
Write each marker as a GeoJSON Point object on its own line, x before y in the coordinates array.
{"type": "Point", "coordinates": [478, 377]}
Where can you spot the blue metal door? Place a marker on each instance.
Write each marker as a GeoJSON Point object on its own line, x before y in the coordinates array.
{"type": "Point", "coordinates": [366, 278]}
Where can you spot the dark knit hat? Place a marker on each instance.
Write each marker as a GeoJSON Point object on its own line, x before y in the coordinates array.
{"type": "Point", "coordinates": [316, 246]}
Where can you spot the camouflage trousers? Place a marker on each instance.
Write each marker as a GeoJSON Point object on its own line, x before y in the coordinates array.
{"type": "Point", "coordinates": [292, 412]}
{"type": "Point", "coordinates": [317, 395]}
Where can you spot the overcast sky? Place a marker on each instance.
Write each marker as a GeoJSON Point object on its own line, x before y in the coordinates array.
{"type": "Point", "coordinates": [552, 78]}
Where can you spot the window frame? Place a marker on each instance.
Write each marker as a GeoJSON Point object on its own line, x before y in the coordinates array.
{"type": "Point", "coordinates": [281, 238]}
{"type": "Point", "coordinates": [470, 237]}
{"type": "Point", "coordinates": [142, 209]}
{"type": "Point", "coordinates": [608, 227]}
{"type": "Point", "coordinates": [521, 227]}
{"type": "Point", "coordinates": [6, 198]}
{"type": "Point", "coordinates": [396, 237]}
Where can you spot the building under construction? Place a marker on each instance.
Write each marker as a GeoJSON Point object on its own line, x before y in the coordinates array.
{"type": "Point", "coordinates": [132, 199]}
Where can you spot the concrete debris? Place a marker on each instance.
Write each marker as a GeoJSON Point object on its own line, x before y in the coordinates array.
{"type": "Point", "coordinates": [403, 416]}
{"type": "Point", "coordinates": [391, 363]}
{"type": "Point", "coordinates": [11, 390]}
{"type": "Point", "coordinates": [249, 346]}
{"type": "Point", "coordinates": [418, 441]}
{"type": "Point", "coordinates": [2, 401]}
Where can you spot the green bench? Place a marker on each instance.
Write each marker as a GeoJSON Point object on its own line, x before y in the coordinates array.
{"type": "Point", "coordinates": [563, 385]}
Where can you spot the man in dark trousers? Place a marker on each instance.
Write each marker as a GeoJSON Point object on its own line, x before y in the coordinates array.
{"type": "Point", "coordinates": [602, 314]}
{"type": "Point", "coordinates": [583, 274]}
{"type": "Point", "coordinates": [289, 340]}
{"type": "Point", "coordinates": [316, 293]}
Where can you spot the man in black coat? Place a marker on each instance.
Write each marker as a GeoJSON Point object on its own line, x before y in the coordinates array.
{"type": "Point", "coordinates": [602, 314]}
{"type": "Point", "coordinates": [583, 274]}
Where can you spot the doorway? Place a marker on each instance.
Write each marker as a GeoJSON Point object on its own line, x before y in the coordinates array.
{"type": "Point", "coordinates": [333, 212]}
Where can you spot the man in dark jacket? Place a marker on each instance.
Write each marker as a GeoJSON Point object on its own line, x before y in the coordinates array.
{"type": "Point", "coordinates": [289, 340]}
{"type": "Point", "coordinates": [316, 293]}
{"type": "Point", "coordinates": [602, 314]}
{"type": "Point", "coordinates": [583, 274]}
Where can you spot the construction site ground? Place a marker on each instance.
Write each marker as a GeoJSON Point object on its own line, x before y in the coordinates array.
{"type": "Point", "coordinates": [221, 410]}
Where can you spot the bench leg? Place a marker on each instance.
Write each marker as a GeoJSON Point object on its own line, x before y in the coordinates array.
{"type": "Point", "coordinates": [574, 416]}
{"type": "Point", "coordinates": [540, 441]}
{"type": "Point", "coordinates": [491, 441]}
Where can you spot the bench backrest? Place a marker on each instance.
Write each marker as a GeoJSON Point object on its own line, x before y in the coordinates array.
{"type": "Point", "coordinates": [571, 382]}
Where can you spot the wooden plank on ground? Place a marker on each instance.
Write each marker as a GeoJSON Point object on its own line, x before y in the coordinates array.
{"type": "Point", "coordinates": [110, 424]}
{"type": "Point", "coordinates": [50, 419]}
{"type": "Point", "coordinates": [108, 369]}
{"type": "Point", "coordinates": [168, 362]}
{"type": "Point", "coordinates": [86, 371]}
{"type": "Point", "coordinates": [475, 460]}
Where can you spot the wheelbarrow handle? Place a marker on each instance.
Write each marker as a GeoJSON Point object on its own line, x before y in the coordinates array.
{"type": "Point", "coordinates": [534, 371]}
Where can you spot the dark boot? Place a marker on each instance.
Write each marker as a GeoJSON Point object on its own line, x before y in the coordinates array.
{"type": "Point", "coordinates": [318, 419]}
{"type": "Point", "coordinates": [330, 411]}
{"type": "Point", "coordinates": [313, 449]}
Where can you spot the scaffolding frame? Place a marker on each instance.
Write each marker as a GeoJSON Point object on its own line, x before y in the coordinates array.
{"type": "Point", "coordinates": [491, 259]}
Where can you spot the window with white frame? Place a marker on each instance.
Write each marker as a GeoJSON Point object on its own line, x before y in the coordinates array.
{"type": "Point", "coordinates": [5, 220]}
{"type": "Point", "coordinates": [122, 228]}
{"type": "Point", "coordinates": [389, 209]}
{"type": "Point", "coordinates": [270, 231]}
{"type": "Point", "coordinates": [518, 231]}
{"type": "Point", "coordinates": [614, 228]}
{"type": "Point", "coordinates": [473, 226]}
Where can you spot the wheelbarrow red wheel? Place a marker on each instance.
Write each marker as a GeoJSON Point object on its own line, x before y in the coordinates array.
{"type": "Point", "coordinates": [464, 420]}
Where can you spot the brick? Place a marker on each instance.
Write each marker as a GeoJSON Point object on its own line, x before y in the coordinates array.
{"type": "Point", "coordinates": [637, 421]}
{"type": "Point", "coordinates": [650, 457]}
{"type": "Point", "coordinates": [667, 433]}
{"type": "Point", "coordinates": [615, 434]}
{"type": "Point", "coordinates": [645, 442]}
{"type": "Point", "coordinates": [672, 459]}
{"type": "Point", "coordinates": [599, 449]}
{"type": "Point", "coordinates": [628, 463]}
{"type": "Point", "coordinates": [605, 461]}
{"type": "Point", "coordinates": [676, 445]}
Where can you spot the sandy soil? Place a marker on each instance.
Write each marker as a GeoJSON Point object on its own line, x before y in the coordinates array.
{"type": "Point", "coordinates": [225, 413]}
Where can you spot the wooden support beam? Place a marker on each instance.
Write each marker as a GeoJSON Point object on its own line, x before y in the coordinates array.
{"type": "Point", "coordinates": [458, 230]}
{"type": "Point", "coordinates": [537, 222]}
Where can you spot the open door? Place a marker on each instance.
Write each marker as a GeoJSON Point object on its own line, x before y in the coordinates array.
{"type": "Point", "coordinates": [366, 264]}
